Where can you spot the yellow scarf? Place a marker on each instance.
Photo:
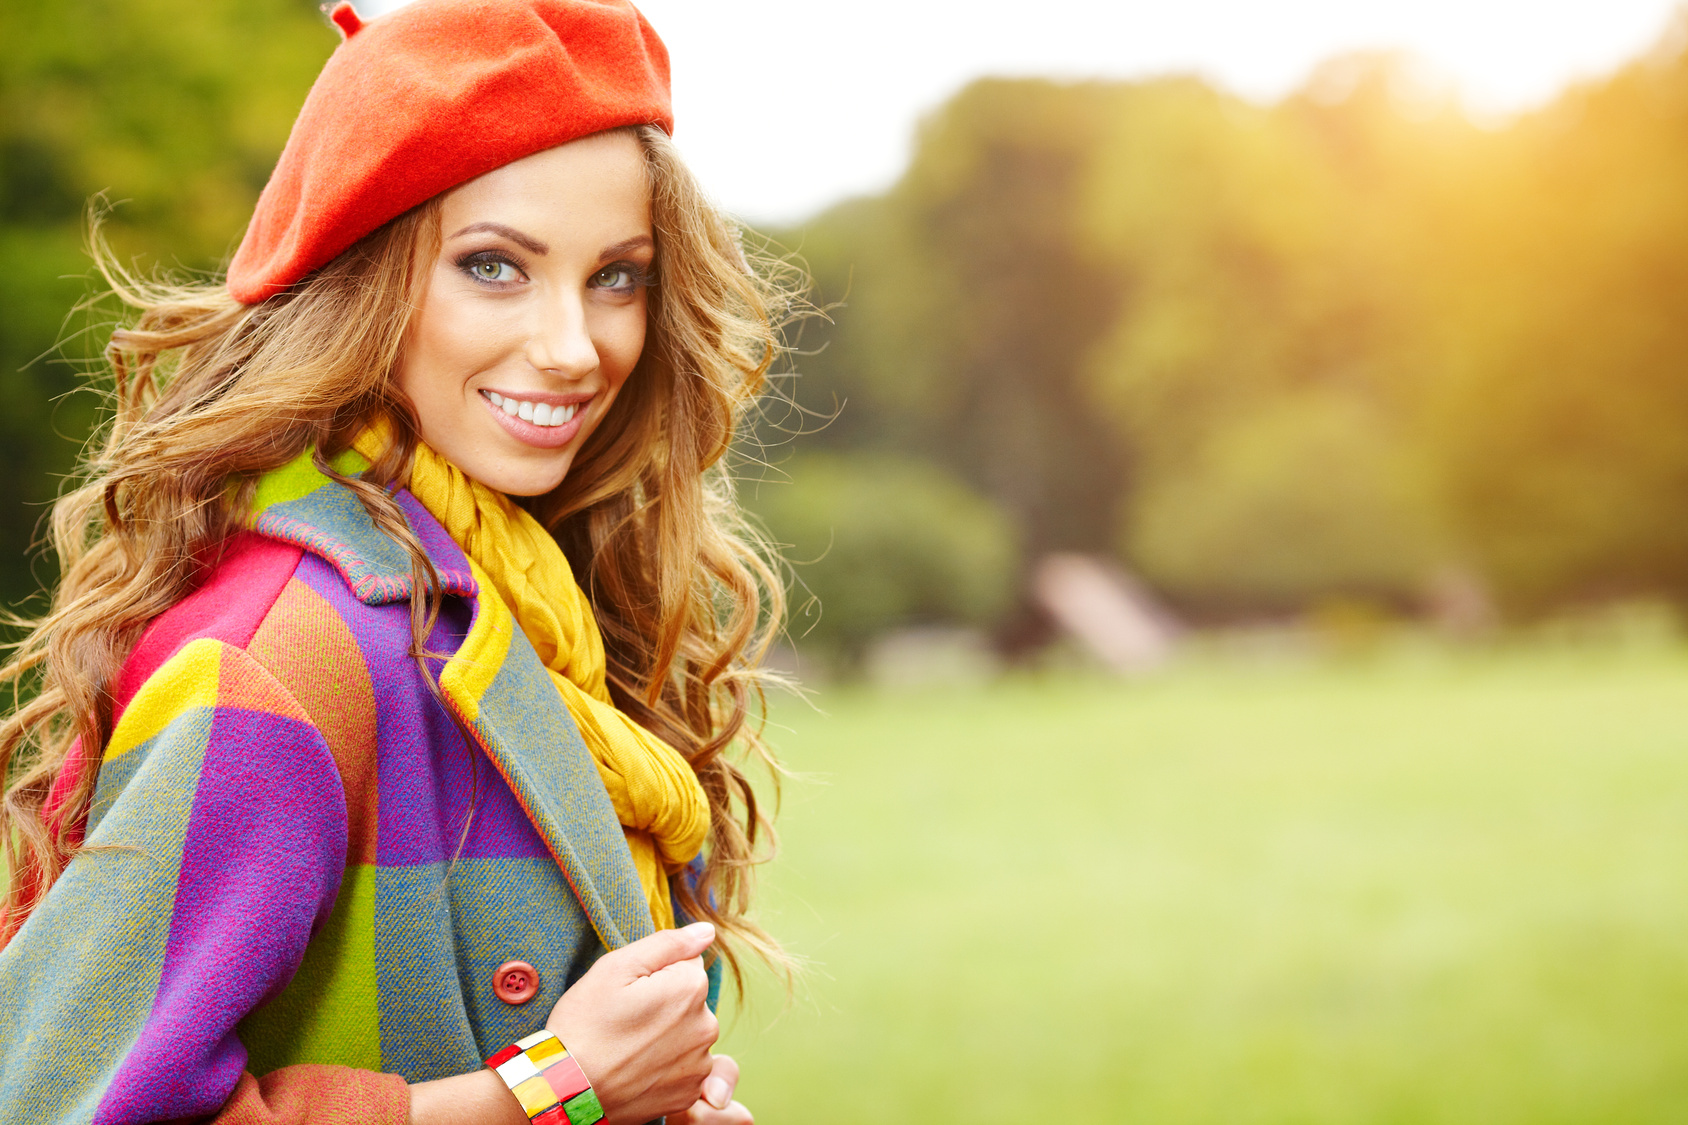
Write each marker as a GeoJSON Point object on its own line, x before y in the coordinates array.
{"type": "Point", "coordinates": [657, 798]}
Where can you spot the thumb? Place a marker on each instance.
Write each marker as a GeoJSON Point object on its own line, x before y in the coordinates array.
{"type": "Point", "coordinates": [665, 948]}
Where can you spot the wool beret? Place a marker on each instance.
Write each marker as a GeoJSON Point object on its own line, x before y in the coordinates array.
{"type": "Point", "coordinates": [431, 96]}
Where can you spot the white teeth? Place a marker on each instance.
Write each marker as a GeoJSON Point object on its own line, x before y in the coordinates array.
{"type": "Point", "coordinates": [539, 413]}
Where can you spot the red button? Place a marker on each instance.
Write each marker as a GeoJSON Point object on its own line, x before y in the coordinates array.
{"type": "Point", "coordinates": [515, 982]}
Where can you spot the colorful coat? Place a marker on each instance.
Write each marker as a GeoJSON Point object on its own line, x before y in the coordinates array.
{"type": "Point", "coordinates": [269, 886]}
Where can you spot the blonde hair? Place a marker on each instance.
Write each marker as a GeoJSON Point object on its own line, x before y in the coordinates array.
{"type": "Point", "coordinates": [210, 392]}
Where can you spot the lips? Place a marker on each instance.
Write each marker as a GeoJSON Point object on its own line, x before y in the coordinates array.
{"type": "Point", "coordinates": [543, 421]}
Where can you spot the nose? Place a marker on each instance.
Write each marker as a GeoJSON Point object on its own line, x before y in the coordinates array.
{"type": "Point", "coordinates": [560, 339]}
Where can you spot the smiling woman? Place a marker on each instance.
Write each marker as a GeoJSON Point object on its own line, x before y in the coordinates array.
{"type": "Point", "coordinates": [534, 313]}
{"type": "Point", "coordinates": [338, 781]}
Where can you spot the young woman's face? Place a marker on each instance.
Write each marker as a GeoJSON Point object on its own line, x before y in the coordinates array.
{"type": "Point", "coordinates": [534, 313]}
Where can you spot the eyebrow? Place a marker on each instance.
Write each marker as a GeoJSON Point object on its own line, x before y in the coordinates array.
{"type": "Point", "coordinates": [638, 242]}
{"type": "Point", "coordinates": [525, 241]}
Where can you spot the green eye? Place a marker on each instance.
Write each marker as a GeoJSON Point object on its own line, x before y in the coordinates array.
{"type": "Point", "coordinates": [614, 277]}
{"type": "Point", "coordinates": [490, 268]}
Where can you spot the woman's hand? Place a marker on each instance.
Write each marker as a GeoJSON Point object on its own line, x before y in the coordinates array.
{"type": "Point", "coordinates": [640, 1028]}
{"type": "Point", "coordinates": [717, 1106]}
{"type": "Point", "coordinates": [639, 1025]}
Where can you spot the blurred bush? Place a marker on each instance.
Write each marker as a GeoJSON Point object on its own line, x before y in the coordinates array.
{"type": "Point", "coordinates": [1305, 499]}
{"type": "Point", "coordinates": [877, 542]}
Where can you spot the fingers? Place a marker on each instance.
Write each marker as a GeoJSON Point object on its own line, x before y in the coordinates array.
{"type": "Point", "coordinates": [723, 1078]}
{"type": "Point", "coordinates": [702, 1113]}
{"type": "Point", "coordinates": [664, 948]}
{"type": "Point", "coordinates": [639, 1024]}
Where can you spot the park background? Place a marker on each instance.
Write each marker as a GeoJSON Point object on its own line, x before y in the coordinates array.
{"type": "Point", "coordinates": [1379, 396]}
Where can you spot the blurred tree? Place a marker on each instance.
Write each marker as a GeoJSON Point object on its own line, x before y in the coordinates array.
{"type": "Point", "coordinates": [177, 109]}
{"type": "Point", "coordinates": [1267, 365]}
{"type": "Point", "coordinates": [1560, 426]}
{"type": "Point", "coordinates": [1078, 294]}
{"type": "Point", "coordinates": [966, 307]}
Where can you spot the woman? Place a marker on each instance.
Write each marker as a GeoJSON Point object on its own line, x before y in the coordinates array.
{"type": "Point", "coordinates": [341, 784]}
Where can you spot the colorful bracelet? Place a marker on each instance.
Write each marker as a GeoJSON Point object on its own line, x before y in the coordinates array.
{"type": "Point", "coordinates": [547, 1081]}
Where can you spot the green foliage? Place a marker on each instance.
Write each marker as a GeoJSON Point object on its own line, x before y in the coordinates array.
{"type": "Point", "coordinates": [965, 307]}
{"type": "Point", "coordinates": [1134, 313]}
{"type": "Point", "coordinates": [1305, 498]}
{"type": "Point", "coordinates": [1110, 307]}
{"type": "Point", "coordinates": [1268, 354]}
{"type": "Point", "coordinates": [880, 541]}
{"type": "Point", "coordinates": [177, 110]}
{"type": "Point", "coordinates": [1560, 421]}
{"type": "Point", "coordinates": [1263, 369]}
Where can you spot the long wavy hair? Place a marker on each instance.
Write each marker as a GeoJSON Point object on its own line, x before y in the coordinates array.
{"type": "Point", "coordinates": [211, 394]}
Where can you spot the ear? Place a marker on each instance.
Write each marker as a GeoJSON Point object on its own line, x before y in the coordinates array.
{"type": "Point", "coordinates": [346, 18]}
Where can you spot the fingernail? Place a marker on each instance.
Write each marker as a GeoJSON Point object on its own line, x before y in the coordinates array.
{"type": "Point", "coordinates": [717, 1093]}
{"type": "Point", "coordinates": [700, 929]}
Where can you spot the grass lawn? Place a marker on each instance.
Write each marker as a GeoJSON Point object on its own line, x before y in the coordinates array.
{"type": "Point", "coordinates": [1432, 889]}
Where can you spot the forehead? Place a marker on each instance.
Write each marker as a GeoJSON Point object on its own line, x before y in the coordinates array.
{"type": "Point", "coordinates": [582, 191]}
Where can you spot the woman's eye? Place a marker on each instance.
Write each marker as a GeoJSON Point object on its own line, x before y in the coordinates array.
{"type": "Point", "coordinates": [492, 269]}
{"type": "Point", "coordinates": [613, 277]}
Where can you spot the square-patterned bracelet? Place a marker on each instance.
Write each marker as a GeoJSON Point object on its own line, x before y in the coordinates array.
{"type": "Point", "coordinates": [547, 1081]}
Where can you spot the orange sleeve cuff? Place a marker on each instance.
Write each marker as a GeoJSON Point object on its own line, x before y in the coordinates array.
{"type": "Point", "coordinates": [317, 1095]}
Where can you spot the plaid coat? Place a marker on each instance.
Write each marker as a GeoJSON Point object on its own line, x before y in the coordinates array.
{"type": "Point", "coordinates": [267, 924]}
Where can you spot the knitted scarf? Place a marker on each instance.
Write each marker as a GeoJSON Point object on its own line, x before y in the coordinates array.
{"type": "Point", "coordinates": [657, 798]}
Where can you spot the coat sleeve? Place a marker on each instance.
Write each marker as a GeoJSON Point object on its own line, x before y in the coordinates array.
{"type": "Point", "coordinates": [215, 846]}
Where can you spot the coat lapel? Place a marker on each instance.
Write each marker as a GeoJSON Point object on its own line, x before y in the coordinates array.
{"type": "Point", "coordinates": [502, 692]}
{"type": "Point", "coordinates": [495, 683]}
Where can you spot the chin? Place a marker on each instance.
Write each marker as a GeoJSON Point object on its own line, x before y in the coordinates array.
{"type": "Point", "coordinates": [528, 484]}
{"type": "Point", "coordinates": [502, 464]}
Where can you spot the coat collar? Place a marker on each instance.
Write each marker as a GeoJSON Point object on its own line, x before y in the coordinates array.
{"type": "Point", "coordinates": [495, 681]}
{"type": "Point", "coordinates": [298, 504]}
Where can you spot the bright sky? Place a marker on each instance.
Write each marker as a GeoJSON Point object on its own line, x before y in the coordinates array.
{"type": "Point", "coordinates": [785, 106]}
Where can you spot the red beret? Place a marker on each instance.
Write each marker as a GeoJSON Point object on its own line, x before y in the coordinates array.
{"type": "Point", "coordinates": [433, 95]}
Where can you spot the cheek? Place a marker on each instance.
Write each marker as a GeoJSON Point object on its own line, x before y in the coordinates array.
{"type": "Point", "coordinates": [447, 344]}
{"type": "Point", "coordinates": [622, 343]}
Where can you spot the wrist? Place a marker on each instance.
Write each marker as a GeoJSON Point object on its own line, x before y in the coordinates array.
{"type": "Point", "coordinates": [478, 1097]}
{"type": "Point", "coordinates": [547, 1081]}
